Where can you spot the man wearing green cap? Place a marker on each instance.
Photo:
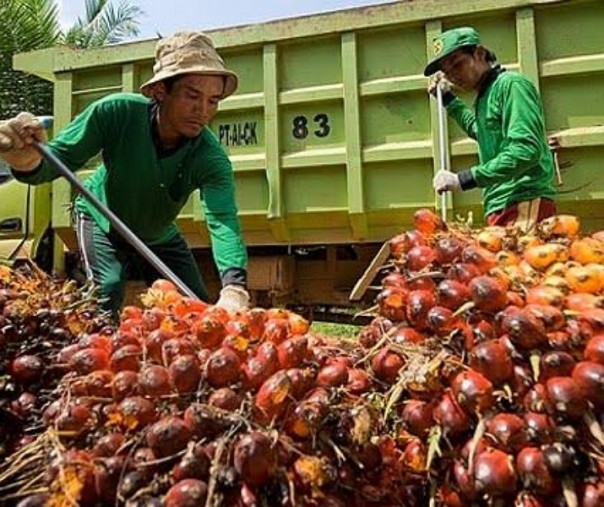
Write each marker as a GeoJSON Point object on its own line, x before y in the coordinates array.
{"type": "Point", "coordinates": [516, 167]}
{"type": "Point", "coordinates": [156, 149]}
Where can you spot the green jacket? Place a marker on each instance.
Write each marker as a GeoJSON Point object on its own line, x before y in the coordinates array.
{"type": "Point", "coordinates": [146, 189]}
{"type": "Point", "coordinates": [516, 164]}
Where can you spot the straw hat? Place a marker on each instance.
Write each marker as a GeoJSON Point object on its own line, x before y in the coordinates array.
{"type": "Point", "coordinates": [188, 52]}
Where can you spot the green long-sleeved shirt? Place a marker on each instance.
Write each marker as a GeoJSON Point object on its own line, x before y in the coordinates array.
{"type": "Point", "coordinates": [146, 190]}
{"type": "Point", "coordinates": [516, 164]}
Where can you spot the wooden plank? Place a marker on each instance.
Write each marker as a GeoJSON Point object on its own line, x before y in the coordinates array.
{"type": "Point", "coordinates": [378, 261]}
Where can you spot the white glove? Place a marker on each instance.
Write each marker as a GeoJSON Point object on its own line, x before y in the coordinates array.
{"type": "Point", "coordinates": [16, 138]}
{"type": "Point", "coordinates": [439, 79]}
{"type": "Point", "coordinates": [446, 180]}
{"type": "Point", "coordinates": [233, 298]}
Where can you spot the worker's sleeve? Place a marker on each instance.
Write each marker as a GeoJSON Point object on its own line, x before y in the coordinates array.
{"type": "Point", "coordinates": [81, 140]}
{"type": "Point", "coordinates": [522, 129]}
{"type": "Point", "coordinates": [462, 114]}
{"type": "Point", "coordinates": [217, 186]}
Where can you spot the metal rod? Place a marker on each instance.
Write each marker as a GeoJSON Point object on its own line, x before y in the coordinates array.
{"type": "Point", "coordinates": [442, 146]}
{"type": "Point", "coordinates": [115, 221]}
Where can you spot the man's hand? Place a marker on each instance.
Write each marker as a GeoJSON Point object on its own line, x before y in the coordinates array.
{"type": "Point", "coordinates": [233, 298]}
{"type": "Point", "coordinates": [446, 180]}
{"type": "Point", "coordinates": [16, 138]}
{"type": "Point", "coordinates": [439, 79]}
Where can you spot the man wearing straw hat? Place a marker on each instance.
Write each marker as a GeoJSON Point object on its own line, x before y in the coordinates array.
{"type": "Point", "coordinates": [156, 150]}
{"type": "Point", "coordinates": [516, 168]}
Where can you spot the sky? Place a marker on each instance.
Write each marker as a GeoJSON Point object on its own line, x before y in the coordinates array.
{"type": "Point", "coordinates": [166, 16]}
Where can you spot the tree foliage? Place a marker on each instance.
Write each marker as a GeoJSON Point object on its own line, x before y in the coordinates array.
{"type": "Point", "coordinates": [27, 25]}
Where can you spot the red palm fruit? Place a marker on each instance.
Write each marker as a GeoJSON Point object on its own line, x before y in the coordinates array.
{"type": "Point", "coordinates": [420, 257]}
{"type": "Point", "coordinates": [273, 395]}
{"type": "Point", "coordinates": [594, 350]}
{"type": "Point", "coordinates": [187, 307]}
{"type": "Point", "coordinates": [66, 353]}
{"type": "Point", "coordinates": [593, 494]}
{"type": "Point", "coordinates": [126, 358]}
{"type": "Point", "coordinates": [450, 416]}
{"type": "Point", "coordinates": [422, 283]}
{"type": "Point", "coordinates": [298, 325]}
{"type": "Point", "coordinates": [402, 243]}
{"type": "Point", "coordinates": [268, 353]}
{"type": "Point", "coordinates": [417, 417]}
{"type": "Point", "coordinates": [124, 384]}
{"type": "Point", "coordinates": [392, 303]}
{"type": "Point", "coordinates": [302, 381]}
{"type": "Point", "coordinates": [581, 301]}
{"type": "Point", "coordinates": [406, 335]}
{"type": "Point", "coordinates": [533, 471]}
{"type": "Point", "coordinates": [555, 364]}
{"type": "Point", "coordinates": [137, 412]}
{"type": "Point", "coordinates": [589, 377]}
{"type": "Point", "coordinates": [88, 360]}
{"type": "Point", "coordinates": [195, 464]}
{"type": "Point", "coordinates": [333, 375]}
{"type": "Point", "coordinates": [508, 431]}
{"type": "Point", "coordinates": [448, 250]}
{"type": "Point", "coordinates": [494, 473]}
{"type": "Point", "coordinates": [524, 330]}
{"type": "Point", "coordinates": [514, 299]}
{"type": "Point", "coordinates": [539, 427]}
{"type": "Point", "coordinates": [96, 341]}
{"type": "Point", "coordinates": [202, 421]}
{"type": "Point", "coordinates": [522, 381]}
{"type": "Point", "coordinates": [448, 497]}
{"type": "Point", "coordinates": [222, 368]}
{"type": "Point", "coordinates": [479, 257]}
{"type": "Point", "coordinates": [441, 321]}
{"type": "Point", "coordinates": [254, 458]}
{"type": "Point", "coordinates": [553, 318]}
{"type": "Point", "coordinates": [565, 397]}
{"type": "Point", "coordinates": [154, 380]}
{"type": "Point", "coordinates": [594, 317]}
{"type": "Point", "coordinates": [292, 352]}
{"type": "Point", "coordinates": [122, 338]}
{"type": "Point", "coordinates": [255, 372]}
{"type": "Point", "coordinates": [168, 436]}
{"type": "Point", "coordinates": [152, 319]}
{"type": "Point", "coordinates": [415, 456]}
{"type": "Point", "coordinates": [452, 294]}
{"type": "Point", "coordinates": [419, 303]}
{"type": "Point", "coordinates": [74, 418]}
{"type": "Point", "coordinates": [545, 295]}
{"type": "Point", "coordinates": [185, 373]}
{"type": "Point", "coordinates": [175, 347]}
{"type": "Point", "coordinates": [472, 391]}
{"type": "Point", "coordinates": [386, 365]}
{"type": "Point", "coordinates": [226, 399]}
{"type": "Point", "coordinates": [276, 330]}
{"type": "Point", "coordinates": [493, 360]}
{"type": "Point", "coordinates": [154, 342]}
{"type": "Point", "coordinates": [483, 331]}
{"type": "Point", "coordinates": [99, 383]}
{"type": "Point", "coordinates": [187, 493]}
{"type": "Point", "coordinates": [427, 222]}
{"type": "Point", "coordinates": [257, 319]}
{"type": "Point", "coordinates": [488, 294]}
{"type": "Point", "coordinates": [208, 332]}
{"type": "Point", "coordinates": [395, 279]}
{"type": "Point", "coordinates": [239, 325]}
{"type": "Point", "coordinates": [359, 381]}
{"type": "Point", "coordinates": [24, 405]}
{"type": "Point", "coordinates": [535, 400]}
{"type": "Point", "coordinates": [463, 272]}
{"type": "Point", "coordinates": [465, 481]}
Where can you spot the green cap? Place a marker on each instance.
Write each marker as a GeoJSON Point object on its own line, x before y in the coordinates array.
{"type": "Point", "coordinates": [448, 42]}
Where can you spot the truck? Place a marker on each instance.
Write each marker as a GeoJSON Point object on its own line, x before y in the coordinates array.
{"type": "Point", "coordinates": [333, 137]}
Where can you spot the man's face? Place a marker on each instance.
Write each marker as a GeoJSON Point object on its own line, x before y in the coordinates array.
{"type": "Point", "coordinates": [464, 69]}
{"type": "Point", "coordinates": [191, 104]}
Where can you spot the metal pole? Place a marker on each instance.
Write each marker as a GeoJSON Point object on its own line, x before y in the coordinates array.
{"type": "Point", "coordinates": [442, 147]}
{"type": "Point", "coordinates": [115, 221]}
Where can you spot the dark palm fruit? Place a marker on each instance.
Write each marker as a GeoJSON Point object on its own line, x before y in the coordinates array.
{"type": "Point", "coordinates": [124, 384]}
{"type": "Point", "coordinates": [255, 458]}
{"type": "Point", "coordinates": [594, 350]}
{"type": "Point", "coordinates": [223, 368]}
{"type": "Point", "coordinates": [593, 495]}
{"type": "Point", "coordinates": [27, 368]}
{"type": "Point", "coordinates": [508, 431]}
{"type": "Point", "coordinates": [108, 445]}
{"type": "Point", "coordinates": [417, 417]}
{"type": "Point", "coordinates": [463, 272]}
{"type": "Point", "coordinates": [168, 436]}
{"type": "Point", "coordinates": [488, 294]}
{"type": "Point", "coordinates": [525, 330]}
{"type": "Point", "coordinates": [493, 360]}
{"type": "Point", "coordinates": [464, 480]}
{"type": "Point", "coordinates": [187, 493]}
{"type": "Point", "coordinates": [107, 473]}
{"type": "Point", "coordinates": [137, 411]}
{"type": "Point", "coordinates": [419, 303]}
{"type": "Point", "coordinates": [494, 473]}
{"type": "Point", "coordinates": [100, 383]}
{"type": "Point", "coordinates": [589, 377]}
{"type": "Point", "coordinates": [195, 464]}
{"type": "Point", "coordinates": [539, 427]}
{"type": "Point", "coordinates": [533, 471]}
{"type": "Point", "coordinates": [386, 365]}
{"type": "Point", "coordinates": [560, 458]}
{"type": "Point", "coordinates": [450, 416]}
{"type": "Point", "coordinates": [154, 380]}
{"type": "Point", "coordinates": [202, 421]}
{"type": "Point", "coordinates": [226, 399]}
{"type": "Point", "coordinates": [154, 342]}
{"type": "Point", "coordinates": [448, 249]}
{"type": "Point", "coordinates": [131, 483]}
